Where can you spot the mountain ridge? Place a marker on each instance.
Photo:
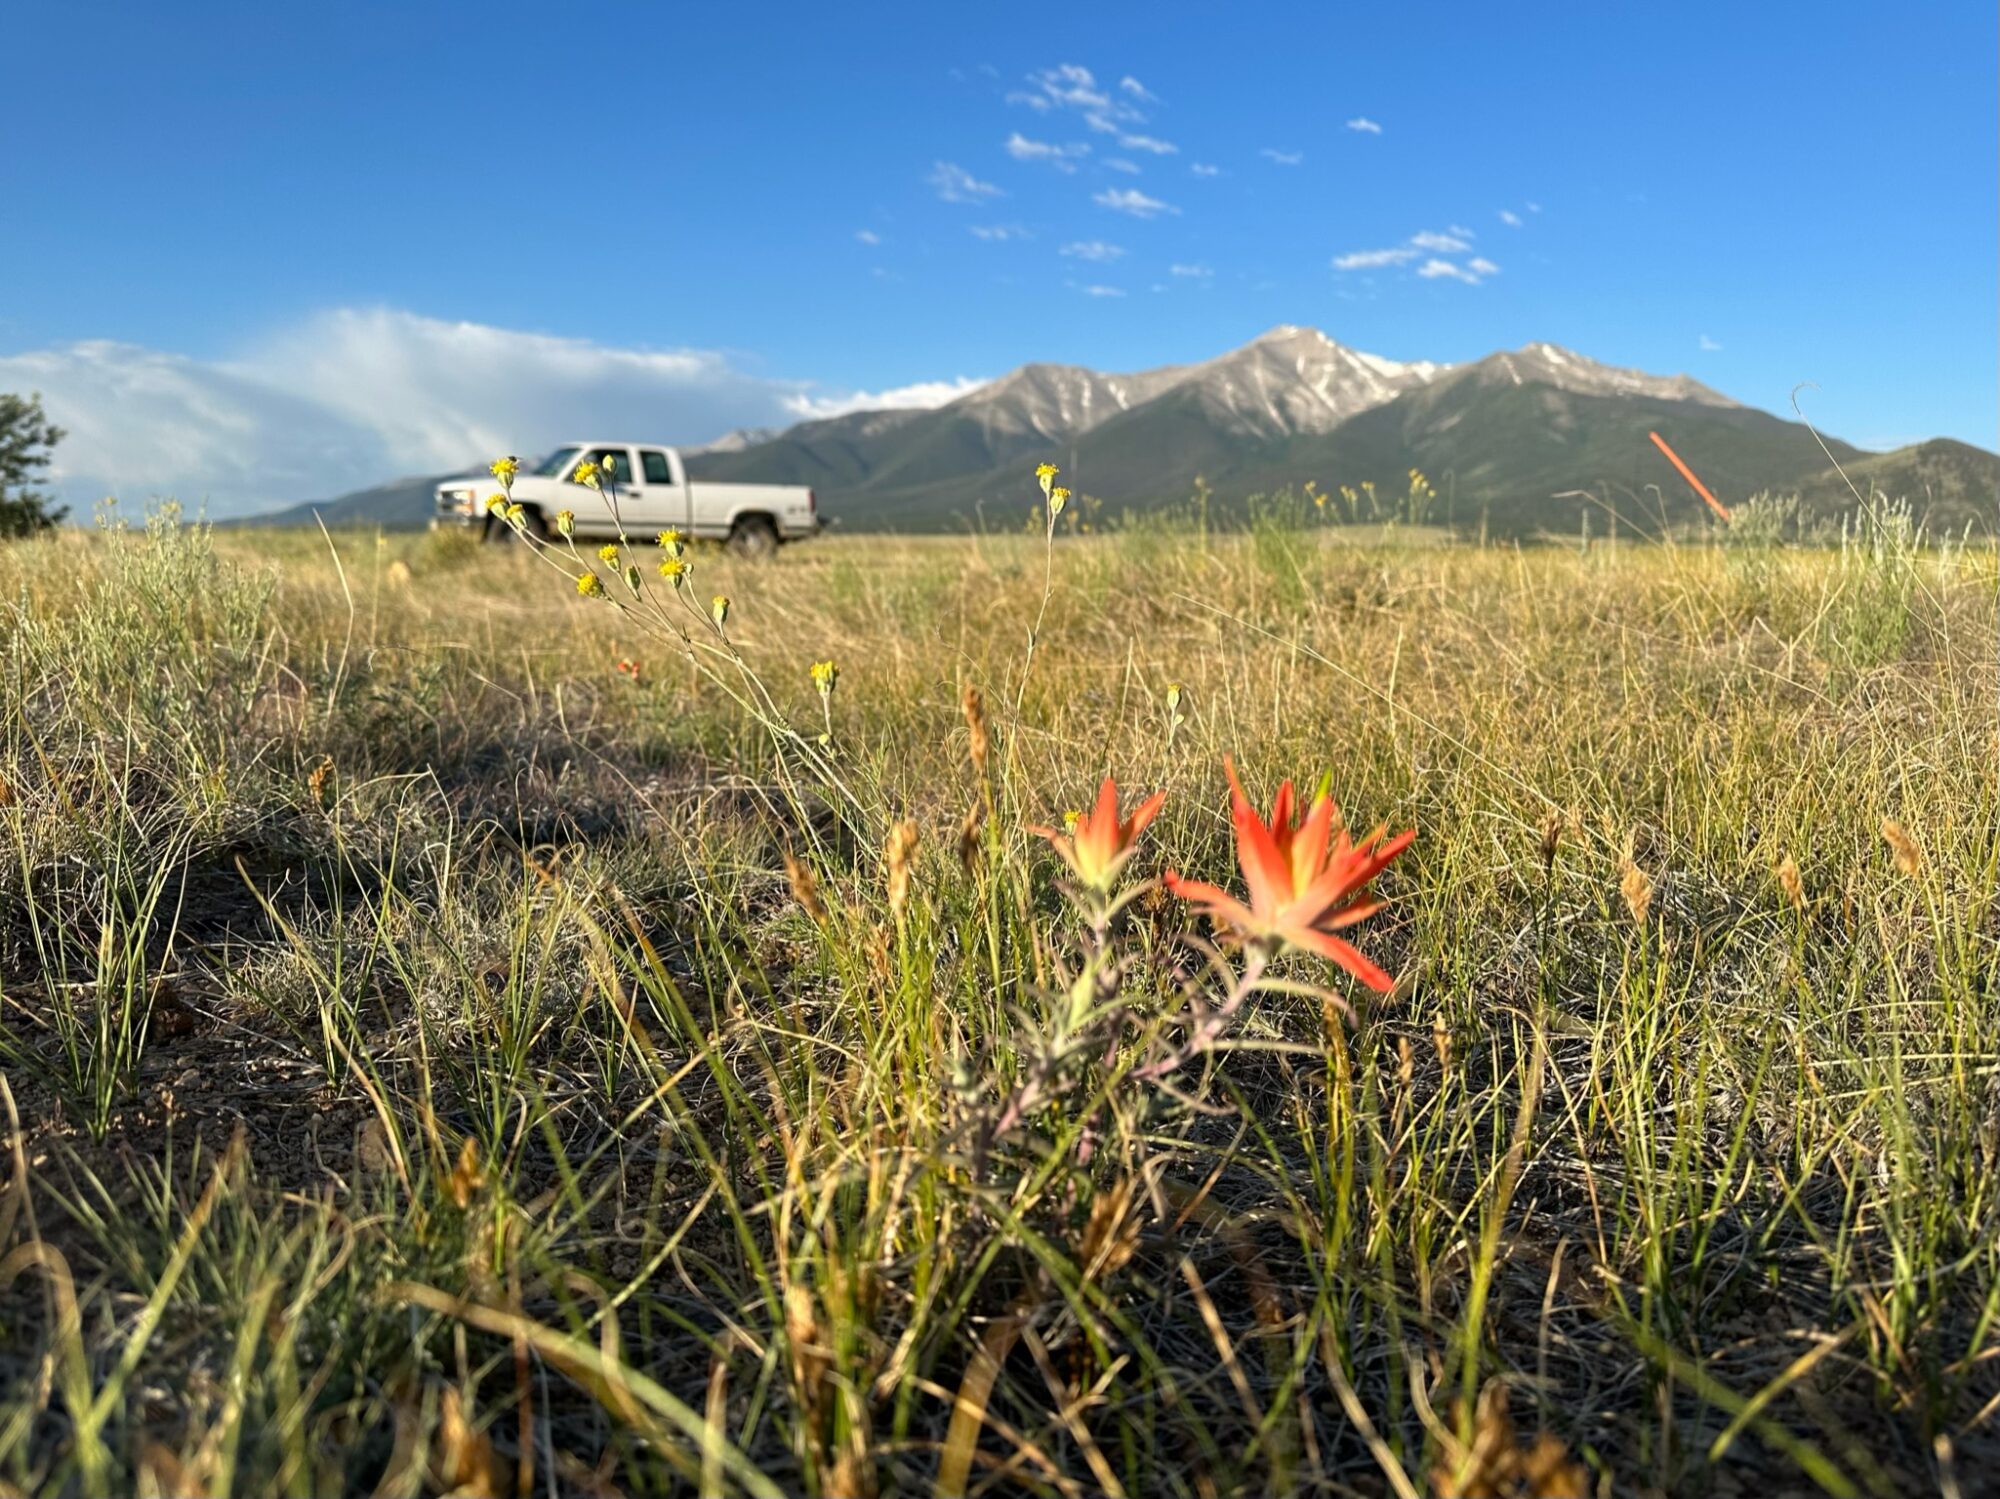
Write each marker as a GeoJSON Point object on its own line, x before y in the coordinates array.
{"type": "Point", "coordinates": [1514, 435]}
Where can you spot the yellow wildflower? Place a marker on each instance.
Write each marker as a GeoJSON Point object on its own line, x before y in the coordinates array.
{"type": "Point", "coordinates": [504, 470]}
{"type": "Point", "coordinates": [516, 513]}
{"type": "Point", "coordinates": [496, 504]}
{"type": "Point", "coordinates": [590, 586]}
{"type": "Point", "coordinates": [608, 552]}
{"type": "Point", "coordinates": [674, 570]}
{"type": "Point", "coordinates": [670, 542]}
{"type": "Point", "coordinates": [1045, 474]}
{"type": "Point", "coordinates": [718, 610]}
{"type": "Point", "coordinates": [825, 674]}
{"type": "Point", "coordinates": [586, 473]}
{"type": "Point", "coordinates": [565, 523]}
{"type": "Point", "coordinates": [1058, 497]}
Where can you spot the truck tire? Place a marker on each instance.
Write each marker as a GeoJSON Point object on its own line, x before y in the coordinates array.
{"type": "Point", "coordinates": [533, 527]}
{"type": "Point", "coordinates": [755, 538]}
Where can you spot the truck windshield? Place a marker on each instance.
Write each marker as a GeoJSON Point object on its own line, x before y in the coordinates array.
{"type": "Point", "coordinates": [553, 465]}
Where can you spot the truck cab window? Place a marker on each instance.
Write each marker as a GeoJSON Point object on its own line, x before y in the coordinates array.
{"type": "Point", "coordinates": [658, 470]}
{"type": "Point", "coordinates": [621, 464]}
{"type": "Point", "coordinates": [554, 464]}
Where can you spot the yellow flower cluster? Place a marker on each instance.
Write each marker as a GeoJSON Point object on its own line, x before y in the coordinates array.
{"type": "Point", "coordinates": [825, 675]}
{"type": "Point", "coordinates": [590, 586]}
{"type": "Point", "coordinates": [586, 473]}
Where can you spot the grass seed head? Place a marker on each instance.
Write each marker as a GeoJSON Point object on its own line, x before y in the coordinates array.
{"type": "Point", "coordinates": [1637, 890]}
{"type": "Point", "coordinates": [980, 741]}
{"type": "Point", "coordinates": [900, 855]}
{"type": "Point", "coordinates": [1790, 883]}
{"type": "Point", "coordinates": [805, 889]}
{"type": "Point", "coordinates": [968, 838]}
{"type": "Point", "coordinates": [1903, 848]}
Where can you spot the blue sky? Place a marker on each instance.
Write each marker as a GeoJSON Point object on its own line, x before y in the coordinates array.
{"type": "Point", "coordinates": [265, 252]}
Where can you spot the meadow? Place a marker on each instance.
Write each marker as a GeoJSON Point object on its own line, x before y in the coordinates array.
{"type": "Point", "coordinates": [461, 1034]}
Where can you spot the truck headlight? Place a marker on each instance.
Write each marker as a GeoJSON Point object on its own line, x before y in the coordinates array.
{"type": "Point", "coordinates": [455, 499]}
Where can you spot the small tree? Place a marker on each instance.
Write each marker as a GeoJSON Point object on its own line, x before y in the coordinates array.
{"type": "Point", "coordinates": [26, 438]}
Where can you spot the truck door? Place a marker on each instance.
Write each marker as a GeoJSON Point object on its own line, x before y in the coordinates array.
{"type": "Point", "coordinates": [669, 498]}
{"type": "Point", "coordinates": [620, 499]}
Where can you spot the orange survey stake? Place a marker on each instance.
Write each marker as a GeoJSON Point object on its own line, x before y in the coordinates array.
{"type": "Point", "coordinates": [1688, 474]}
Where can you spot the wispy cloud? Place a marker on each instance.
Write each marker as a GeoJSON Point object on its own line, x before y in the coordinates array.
{"type": "Point", "coordinates": [998, 232]}
{"type": "Point", "coordinates": [1709, 345]}
{"type": "Point", "coordinates": [356, 396]}
{"type": "Point", "coordinates": [923, 395]}
{"type": "Point", "coordinates": [954, 184]}
{"type": "Point", "coordinates": [1471, 273]}
{"type": "Point", "coordinates": [1434, 243]}
{"type": "Point", "coordinates": [1148, 143]}
{"type": "Point", "coordinates": [1120, 164]}
{"type": "Point", "coordinates": [1073, 87]}
{"type": "Point", "coordinates": [1282, 158]}
{"type": "Point", "coordinates": [1203, 169]}
{"type": "Point", "coordinates": [1131, 200]}
{"type": "Point", "coordinates": [1138, 90]}
{"type": "Point", "coordinates": [1097, 250]}
{"type": "Point", "coordinates": [1510, 218]}
{"type": "Point", "coordinates": [1364, 125]}
{"type": "Point", "coordinates": [1443, 244]}
{"type": "Point", "coordinates": [1370, 260]}
{"type": "Point", "coordinates": [868, 236]}
{"type": "Point", "coordinates": [1192, 272]}
{"type": "Point", "coordinates": [1062, 158]}
{"type": "Point", "coordinates": [1102, 291]}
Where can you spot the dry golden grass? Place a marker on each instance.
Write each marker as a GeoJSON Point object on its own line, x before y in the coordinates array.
{"type": "Point", "coordinates": [614, 1069]}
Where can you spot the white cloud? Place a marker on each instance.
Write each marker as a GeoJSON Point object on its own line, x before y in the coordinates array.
{"type": "Point", "coordinates": [1369, 260]}
{"type": "Point", "coordinates": [1148, 143]}
{"type": "Point", "coordinates": [1197, 272]}
{"type": "Point", "coordinates": [1131, 200]}
{"type": "Point", "coordinates": [1120, 164]}
{"type": "Point", "coordinates": [1138, 90]}
{"type": "Point", "coordinates": [954, 184]}
{"type": "Point", "coordinates": [1096, 250]}
{"type": "Point", "coordinates": [924, 395]}
{"type": "Point", "coordinates": [1534, 208]}
{"type": "Point", "coordinates": [355, 397]}
{"type": "Point", "coordinates": [1437, 243]}
{"type": "Point", "coordinates": [1069, 86]}
{"type": "Point", "coordinates": [868, 236]}
{"type": "Point", "coordinates": [1471, 273]}
{"type": "Point", "coordinates": [1203, 169]}
{"type": "Point", "coordinates": [1510, 218]}
{"type": "Point", "coordinates": [1443, 244]}
{"type": "Point", "coordinates": [1062, 158]}
{"type": "Point", "coordinates": [1102, 291]}
{"type": "Point", "coordinates": [1282, 158]}
{"type": "Point", "coordinates": [999, 232]}
{"type": "Point", "coordinates": [1365, 125]}
{"type": "Point", "coordinates": [1709, 345]}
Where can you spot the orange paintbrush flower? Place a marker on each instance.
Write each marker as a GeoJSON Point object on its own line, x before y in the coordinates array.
{"type": "Point", "coordinates": [1306, 881]}
{"type": "Point", "coordinates": [1099, 844]}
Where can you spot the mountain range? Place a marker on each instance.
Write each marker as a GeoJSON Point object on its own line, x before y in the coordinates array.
{"type": "Point", "coordinates": [1510, 442]}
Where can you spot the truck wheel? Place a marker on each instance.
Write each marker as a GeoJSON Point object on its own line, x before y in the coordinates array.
{"type": "Point", "coordinates": [533, 527]}
{"type": "Point", "coordinates": [755, 538]}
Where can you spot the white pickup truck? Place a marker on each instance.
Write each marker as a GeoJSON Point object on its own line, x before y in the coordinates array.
{"type": "Point", "coordinates": [643, 489]}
